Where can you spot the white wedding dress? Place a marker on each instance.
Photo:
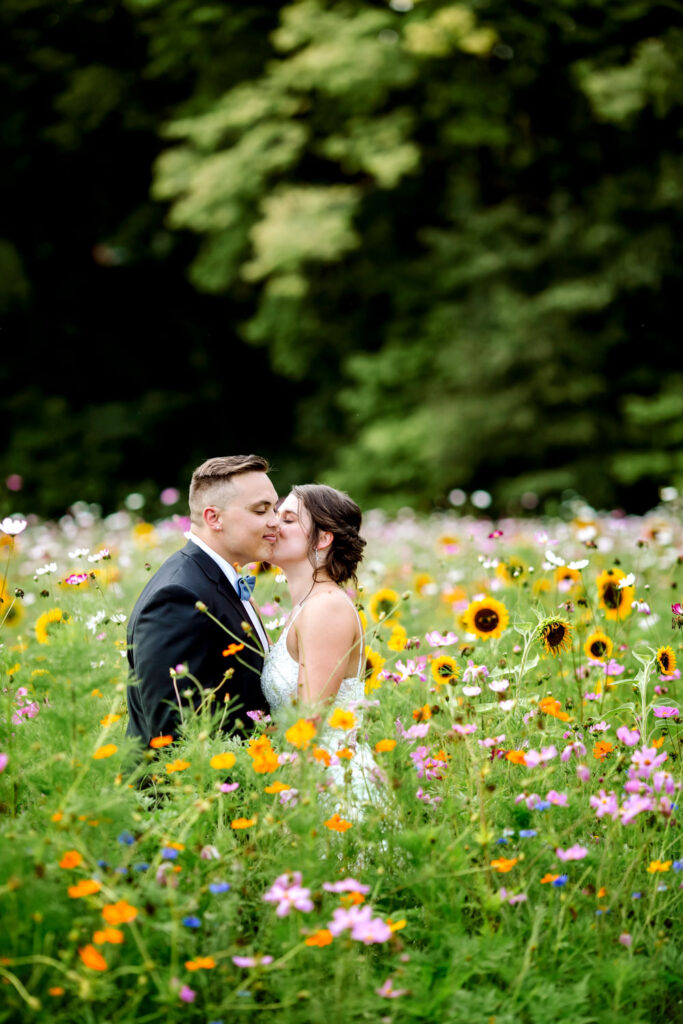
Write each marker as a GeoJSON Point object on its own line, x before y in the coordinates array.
{"type": "Point", "coordinates": [354, 783]}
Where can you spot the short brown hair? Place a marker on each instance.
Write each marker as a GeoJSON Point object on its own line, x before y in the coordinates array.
{"type": "Point", "coordinates": [334, 512]}
{"type": "Point", "coordinates": [212, 479]}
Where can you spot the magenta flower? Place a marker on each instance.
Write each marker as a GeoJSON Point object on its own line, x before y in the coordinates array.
{"type": "Point", "coordinates": [646, 760]}
{"type": "Point", "coordinates": [464, 730]}
{"type": "Point", "coordinates": [387, 990]}
{"type": "Point", "coordinates": [665, 712]}
{"type": "Point", "coordinates": [574, 852]}
{"type": "Point", "coordinates": [628, 736]}
{"type": "Point", "coordinates": [252, 961]}
{"type": "Point", "coordinates": [583, 772]}
{"type": "Point", "coordinates": [75, 578]}
{"type": "Point", "coordinates": [559, 799]}
{"type": "Point", "coordinates": [576, 747]}
{"type": "Point", "coordinates": [625, 939]}
{"type": "Point", "coordinates": [677, 609]}
{"type": "Point", "coordinates": [634, 806]}
{"type": "Point", "coordinates": [4, 758]}
{"type": "Point", "coordinates": [289, 894]}
{"type": "Point", "coordinates": [187, 994]}
{"type": "Point", "coordinates": [346, 885]}
{"type": "Point", "coordinates": [229, 787]}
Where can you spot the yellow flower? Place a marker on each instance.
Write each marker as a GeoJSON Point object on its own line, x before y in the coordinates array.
{"type": "Point", "coordinates": [106, 751]}
{"type": "Point", "coordinates": [598, 646]}
{"type": "Point", "coordinates": [571, 578]}
{"type": "Point", "coordinates": [144, 535]}
{"type": "Point", "coordinates": [222, 761]}
{"type": "Point", "coordinates": [658, 865]}
{"type": "Point", "coordinates": [555, 635]}
{"type": "Point", "coordinates": [486, 618]}
{"type": "Point", "coordinates": [423, 583]}
{"type": "Point", "coordinates": [340, 719]}
{"type": "Point", "coordinates": [444, 669]}
{"type": "Point", "coordinates": [666, 659]}
{"type": "Point", "coordinates": [177, 766]}
{"type": "Point", "coordinates": [512, 571]}
{"type": "Point", "coordinates": [109, 720]}
{"type": "Point", "coordinates": [374, 663]}
{"type": "Point", "coordinates": [276, 787]}
{"type": "Point", "coordinates": [615, 600]}
{"type": "Point", "coordinates": [48, 619]}
{"type": "Point", "coordinates": [383, 604]}
{"type": "Point", "coordinates": [11, 609]}
{"type": "Point", "coordinates": [397, 640]}
{"type": "Point", "coordinates": [301, 733]}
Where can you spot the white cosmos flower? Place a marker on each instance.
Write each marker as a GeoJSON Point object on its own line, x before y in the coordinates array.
{"type": "Point", "coordinates": [13, 527]}
{"type": "Point", "coordinates": [627, 581]}
{"type": "Point", "coordinates": [78, 552]}
{"type": "Point", "coordinates": [551, 557]}
{"type": "Point", "coordinates": [507, 705]}
{"type": "Point", "coordinates": [579, 565]}
{"type": "Point", "coordinates": [499, 685]}
{"type": "Point", "coordinates": [44, 569]}
{"type": "Point", "coordinates": [471, 691]}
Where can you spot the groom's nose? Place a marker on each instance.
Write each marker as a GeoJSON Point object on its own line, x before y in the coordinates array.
{"type": "Point", "coordinates": [274, 519]}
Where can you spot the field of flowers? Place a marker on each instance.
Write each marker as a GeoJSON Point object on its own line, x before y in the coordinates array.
{"type": "Point", "coordinates": [526, 864]}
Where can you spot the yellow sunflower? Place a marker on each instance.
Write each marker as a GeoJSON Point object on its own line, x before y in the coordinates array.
{"type": "Point", "coordinates": [598, 646]}
{"type": "Point", "coordinates": [444, 669]}
{"type": "Point", "coordinates": [666, 659]}
{"type": "Point", "coordinates": [614, 599]}
{"type": "Point", "coordinates": [11, 610]}
{"type": "Point", "coordinates": [384, 604]}
{"type": "Point", "coordinates": [555, 635]}
{"type": "Point", "coordinates": [398, 638]}
{"type": "Point", "coordinates": [486, 618]}
{"type": "Point", "coordinates": [571, 578]}
{"type": "Point", "coordinates": [511, 571]}
{"type": "Point", "coordinates": [47, 619]}
{"type": "Point", "coordinates": [541, 586]}
{"type": "Point", "coordinates": [373, 666]}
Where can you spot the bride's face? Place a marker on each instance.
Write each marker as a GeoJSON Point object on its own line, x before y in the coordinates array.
{"type": "Point", "coordinates": [294, 532]}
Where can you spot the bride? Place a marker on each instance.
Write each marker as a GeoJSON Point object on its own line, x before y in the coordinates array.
{"type": "Point", "coordinates": [319, 659]}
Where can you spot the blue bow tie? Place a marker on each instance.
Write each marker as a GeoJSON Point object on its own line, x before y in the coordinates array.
{"type": "Point", "coordinates": [245, 586]}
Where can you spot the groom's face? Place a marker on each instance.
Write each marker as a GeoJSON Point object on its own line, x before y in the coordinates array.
{"type": "Point", "coordinates": [249, 523]}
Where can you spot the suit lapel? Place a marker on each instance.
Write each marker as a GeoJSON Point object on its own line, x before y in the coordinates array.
{"type": "Point", "coordinates": [221, 582]}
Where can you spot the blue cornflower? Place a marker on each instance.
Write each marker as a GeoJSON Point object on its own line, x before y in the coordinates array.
{"type": "Point", "coordinates": [677, 865]}
{"type": "Point", "coordinates": [217, 887]}
{"type": "Point", "coordinates": [168, 853]}
{"type": "Point", "coordinates": [527, 833]}
{"type": "Point", "coordinates": [662, 887]}
{"type": "Point", "coordinates": [542, 805]}
{"type": "Point", "coordinates": [636, 895]}
{"type": "Point", "coordinates": [126, 837]}
{"type": "Point", "coordinates": [192, 922]}
{"type": "Point", "coordinates": [141, 867]}
{"type": "Point", "coordinates": [103, 863]}
{"type": "Point", "coordinates": [502, 840]}
{"type": "Point", "coordinates": [121, 871]}
{"type": "Point", "coordinates": [560, 881]}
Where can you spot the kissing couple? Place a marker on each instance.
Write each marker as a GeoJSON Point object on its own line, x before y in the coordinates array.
{"type": "Point", "coordinates": [197, 604]}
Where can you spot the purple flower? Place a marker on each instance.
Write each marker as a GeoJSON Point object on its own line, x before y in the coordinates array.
{"type": "Point", "coordinates": [4, 758]}
{"type": "Point", "coordinates": [216, 887]}
{"type": "Point", "coordinates": [665, 712]}
{"type": "Point", "coordinates": [625, 939]}
{"type": "Point", "coordinates": [169, 853]}
{"type": "Point", "coordinates": [527, 833]}
{"type": "Point", "coordinates": [583, 772]}
{"type": "Point", "coordinates": [559, 799]}
{"type": "Point", "coordinates": [627, 736]}
{"type": "Point", "coordinates": [289, 894]}
{"type": "Point", "coordinates": [192, 922]}
{"type": "Point", "coordinates": [126, 838]}
{"type": "Point", "coordinates": [574, 852]}
{"type": "Point", "coordinates": [387, 990]}
{"type": "Point", "coordinates": [646, 760]}
{"type": "Point", "coordinates": [187, 995]}
{"type": "Point", "coordinates": [229, 787]}
{"type": "Point", "coordinates": [252, 961]}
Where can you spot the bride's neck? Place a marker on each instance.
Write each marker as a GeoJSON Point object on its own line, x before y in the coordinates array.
{"type": "Point", "coordinates": [301, 582]}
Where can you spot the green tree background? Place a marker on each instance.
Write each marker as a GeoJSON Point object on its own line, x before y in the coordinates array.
{"type": "Point", "coordinates": [402, 247]}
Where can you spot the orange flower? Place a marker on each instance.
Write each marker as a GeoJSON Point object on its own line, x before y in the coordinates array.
{"type": "Point", "coordinates": [504, 864]}
{"type": "Point", "coordinates": [200, 963]}
{"type": "Point", "coordinates": [92, 958]}
{"type": "Point", "coordinates": [320, 754]}
{"type": "Point", "coordinates": [57, 816]}
{"type": "Point", "coordinates": [323, 937]}
{"type": "Point", "coordinates": [422, 714]}
{"type": "Point", "coordinates": [277, 787]}
{"type": "Point", "coordinates": [109, 720]}
{"type": "Point", "coordinates": [232, 649]}
{"type": "Point", "coordinates": [382, 745]}
{"type": "Point", "coordinates": [548, 878]}
{"type": "Point", "coordinates": [301, 733]}
{"type": "Point", "coordinates": [337, 824]}
{"type": "Point", "coordinates": [221, 761]}
{"type": "Point", "coordinates": [71, 859]}
{"type": "Point", "coordinates": [175, 846]}
{"type": "Point", "coordinates": [602, 891]}
{"type": "Point", "coordinates": [160, 741]}
{"type": "Point", "coordinates": [657, 743]}
{"type": "Point", "coordinates": [658, 865]}
{"type": "Point", "coordinates": [113, 935]}
{"type": "Point", "coordinates": [601, 749]}
{"type": "Point", "coordinates": [340, 719]}
{"type": "Point", "coordinates": [262, 754]}
{"type": "Point", "coordinates": [396, 926]}
{"type": "Point", "coordinates": [177, 766]}
{"type": "Point", "coordinates": [244, 822]}
{"type": "Point", "coordinates": [56, 990]}
{"type": "Point", "coordinates": [515, 756]}
{"type": "Point", "coordinates": [552, 706]}
{"type": "Point", "coordinates": [106, 751]}
{"type": "Point", "coordinates": [86, 887]}
{"type": "Point", "coordinates": [119, 913]}
{"type": "Point", "coordinates": [351, 899]}
{"type": "Point", "coordinates": [345, 753]}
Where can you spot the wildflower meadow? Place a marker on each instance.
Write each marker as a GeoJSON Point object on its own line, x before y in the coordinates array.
{"type": "Point", "coordinates": [525, 862]}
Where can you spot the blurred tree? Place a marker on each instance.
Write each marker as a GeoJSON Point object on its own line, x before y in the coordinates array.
{"type": "Point", "coordinates": [460, 226]}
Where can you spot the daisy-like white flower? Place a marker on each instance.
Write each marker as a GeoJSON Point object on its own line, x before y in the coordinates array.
{"type": "Point", "coordinates": [79, 552]}
{"type": "Point", "coordinates": [44, 570]}
{"type": "Point", "coordinates": [499, 685]}
{"type": "Point", "coordinates": [13, 527]}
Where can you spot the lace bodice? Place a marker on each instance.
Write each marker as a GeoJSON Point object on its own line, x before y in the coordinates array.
{"type": "Point", "coordinates": [355, 781]}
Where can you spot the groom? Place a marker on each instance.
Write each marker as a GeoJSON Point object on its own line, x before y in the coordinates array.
{"type": "Point", "coordinates": [232, 512]}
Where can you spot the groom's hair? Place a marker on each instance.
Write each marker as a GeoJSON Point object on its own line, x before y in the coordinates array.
{"type": "Point", "coordinates": [211, 482]}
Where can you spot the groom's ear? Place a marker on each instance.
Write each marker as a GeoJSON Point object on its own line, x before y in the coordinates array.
{"type": "Point", "coordinates": [211, 517]}
{"type": "Point", "coordinates": [324, 540]}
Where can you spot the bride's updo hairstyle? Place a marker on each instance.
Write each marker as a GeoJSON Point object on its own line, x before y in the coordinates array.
{"type": "Point", "coordinates": [333, 512]}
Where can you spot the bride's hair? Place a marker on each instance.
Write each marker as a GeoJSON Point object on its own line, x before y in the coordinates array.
{"type": "Point", "coordinates": [334, 512]}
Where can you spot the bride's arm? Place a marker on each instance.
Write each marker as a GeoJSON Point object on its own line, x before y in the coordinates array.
{"type": "Point", "coordinates": [327, 631]}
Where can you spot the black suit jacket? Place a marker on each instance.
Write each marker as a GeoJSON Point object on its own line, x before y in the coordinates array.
{"type": "Point", "coordinates": [166, 629]}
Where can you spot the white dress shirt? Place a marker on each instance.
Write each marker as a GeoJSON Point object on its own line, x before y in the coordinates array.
{"type": "Point", "coordinates": [232, 576]}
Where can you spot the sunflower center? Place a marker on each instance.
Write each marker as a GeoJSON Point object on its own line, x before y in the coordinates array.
{"type": "Point", "coordinates": [598, 648]}
{"type": "Point", "coordinates": [664, 662]}
{"type": "Point", "coordinates": [612, 596]}
{"type": "Point", "coordinates": [486, 620]}
{"type": "Point", "coordinates": [554, 634]}
{"type": "Point", "coordinates": [445, 671]}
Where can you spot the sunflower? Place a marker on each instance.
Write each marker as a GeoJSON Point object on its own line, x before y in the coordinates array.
{"type": "Point", "coordinates": [614, 599]}
{"type": "Point", "coordinates": [444, 669]}
{"type": "Point", "coordinates": [555, 635]}
{"type": "Point", "coordinates": [566, 578]}
{"type": "Point", "coordinates": [486, 618]}
{"type": "Point", "coordinates": [541, 586]}
{"type": "Point", "coordinates": [45, 620]}
{"type": "Point", "coordinates": [424, 584]}
{"type": "Point", "coordinates": [666, 659]}
{"type": "Point", "coordinates": [383, 604]}
{"type": "Point", "coordinates": [373, 666]}
{"type": "Point", "coordinates": [11, 610]}
{"type": "Point", "coordinates": [512, 571]}
{"type": "Point", "coordinates": [598, 646]}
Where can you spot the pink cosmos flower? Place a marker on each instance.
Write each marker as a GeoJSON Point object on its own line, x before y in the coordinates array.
{"type": "Point", "coordinates": [436, 639]}
{"type": "Point", "coordinates": [187, 995]}
{"type": "Point", "coordinates": [229, 787]}
{"type": "Point", "coordinates": [576, 747]}
{"type": "Point", "coordinates": [628, 736]}
{"type": "Point", "coordinates": [511, 898]}
{"type": "Point", "coordinates": [535, 757]}
{"type": "Point", "coordinates": [252, 961]}
{"type": "Point", "coordinates": [4, 758]}
{"type": "Point", "coordinates": [677, 609]}
{"type": "Point", "coordinates": [364, 927]}
{"type": "Point", "coordinates": [387, 990]}
{"type": "Point", "coordinates": [473, 671]}
{"type": "Point", "coordinates": [559, 799]}
{"type": "Point", "coordinates": [574, 852]}
{"type": "Point", "coordinates": [289, 894]}
{"type": "Point", "coordinates": [605, 803]}
{"type": "Point", "coordinates": [646, 760]}
{"type": "Point", "coordinates": [464, 730]}
{"type": "Point", "coordinates": [625, 939]}
{"type": "Point", "coordinates": [417, 731]}
{"type": "Point", "coordinates": [583, 772]}
{"type": "Point", "coordinates": [665, 712]}
{"type": "Point", "coordinates": [209, 853]}
{"type": "Point", "coordinates": [634, 806]}
{"type": "Point", "coordinates": [346, 885]}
